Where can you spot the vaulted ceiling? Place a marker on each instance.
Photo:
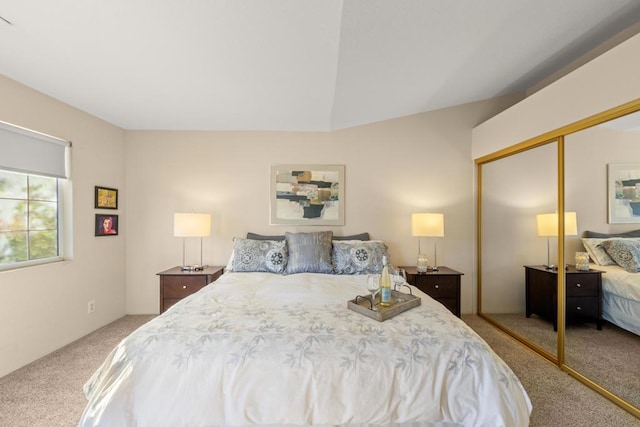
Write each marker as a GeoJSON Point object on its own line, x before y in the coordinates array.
{"type": "Point", "coordinates": [295, 65]}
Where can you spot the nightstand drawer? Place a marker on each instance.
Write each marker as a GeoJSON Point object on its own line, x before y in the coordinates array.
{"type": "Point", "coordinates": [443, 285]}
{"type": "Point", "coordinates": [438, 286]}
{"type": "Point", "coordinates": [182, 286]}
{"type": "Point", "coordinates": [582, 307]}
{"type": "Point", "coordinates": [176, 284]}
{"type": "Point", "coordinates": [582, 285]}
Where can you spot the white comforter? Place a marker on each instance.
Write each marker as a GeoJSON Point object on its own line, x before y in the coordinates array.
{"type": "Point", "coordinates": [620, 282]}
{"type": "Point", "coordinates": [265, 349]}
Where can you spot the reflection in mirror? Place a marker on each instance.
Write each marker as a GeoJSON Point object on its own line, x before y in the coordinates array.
{"type": "Point", "coordinates": [514, 190]}
{"type": "Point", "coordinates": [602, 170]}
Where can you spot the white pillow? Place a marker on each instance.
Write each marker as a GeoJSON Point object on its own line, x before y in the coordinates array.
{"type": "Point", "coordinates": [596, 251]}
{"type": "Point", "coordinates": [229, 266]}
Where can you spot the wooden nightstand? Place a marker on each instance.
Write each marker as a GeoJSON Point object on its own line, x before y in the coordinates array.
{"type": "Point", "coordinates": [443, 285]}
{"type": "Point", "coordinates": [584, 294]}
{"type": "Point", "coordinates": [176, 284]}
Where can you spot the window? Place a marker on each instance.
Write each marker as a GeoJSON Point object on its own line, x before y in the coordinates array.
{"type": "Point", "coordinates": [28, 217]}
{"type": "Point", "coordinates": [32, 170]}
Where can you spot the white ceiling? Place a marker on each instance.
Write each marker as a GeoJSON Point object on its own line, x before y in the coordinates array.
{"type": "Point", "coordinates": [312, 65]}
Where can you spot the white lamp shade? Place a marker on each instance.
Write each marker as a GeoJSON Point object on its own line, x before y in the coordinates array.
{"type": "Point", "coordinates": [191, 225]}
{"type": "Point", "coordinates": [427, 225]}
{"type": "Point", "coordinates": [548, 224]}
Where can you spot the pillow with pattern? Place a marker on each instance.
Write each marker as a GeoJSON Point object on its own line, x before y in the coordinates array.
{"type": "Point", "coordinates": [625, 252]}
{"type": "Point", "coordinates": [358, 257]}
{"type": "Point", "coordinates": [309, 252]}
{"type": "Point", "coordinates": [258, 256]}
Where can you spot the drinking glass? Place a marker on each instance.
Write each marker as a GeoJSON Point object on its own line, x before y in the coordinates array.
{"type": "Point", "coordinates": [373, 286]}
{"type": "Point", "coordinates": [399, 277]}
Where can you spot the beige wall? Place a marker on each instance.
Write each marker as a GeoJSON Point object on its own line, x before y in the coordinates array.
{"type": "Point", "coordinates": [587, 154]}
{"type": "Point", "coordinates": [45, 307]}
{"type": "Point", "coordinates": [393, 168]}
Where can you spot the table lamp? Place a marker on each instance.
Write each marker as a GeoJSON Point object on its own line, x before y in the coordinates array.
{"type": "Point", "coordinates": [191, 225]}
{"type": "Point", "coordinates": [548, 227]}
{"type": "Point", "coordinates": [428, 225]}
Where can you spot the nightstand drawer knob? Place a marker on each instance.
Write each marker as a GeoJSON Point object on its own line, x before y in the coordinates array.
{"type": "Point", "coordinates": [437, 286]}
{"type": "Point", "coordinates": [184, 286]}
{"type": "Point", "coordinates": [578, 285]}
{"type": "Point", "coordinates": [578, 308]}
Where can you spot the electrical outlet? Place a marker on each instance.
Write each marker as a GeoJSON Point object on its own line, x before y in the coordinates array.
{"type": "Point", "coordinates": [91, 306]}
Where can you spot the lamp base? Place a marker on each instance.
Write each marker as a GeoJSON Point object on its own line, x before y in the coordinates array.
{"type": "Point", "coordinates": [432, 268]}
{"type": "Point", "coordinates": [194, 267]}
{"type": "Point", "coordinates": [421, 265]}
{"type": "Point", "coordinates": [551, 267]}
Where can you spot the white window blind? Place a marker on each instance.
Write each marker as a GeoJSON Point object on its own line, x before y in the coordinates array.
{"type": "Point", "coordinates": [26, 151]}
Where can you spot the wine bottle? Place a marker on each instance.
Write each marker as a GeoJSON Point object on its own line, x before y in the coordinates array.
{"type": "Point", "coordinates": [385, 284]}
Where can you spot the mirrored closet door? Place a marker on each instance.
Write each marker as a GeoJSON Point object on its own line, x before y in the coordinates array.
{"type": "Point", "coordinates": [516, 293]}
{"type": "Point", "coordinates": [602, 168]}
{"type": "Point", "coordinates": [585, 182]}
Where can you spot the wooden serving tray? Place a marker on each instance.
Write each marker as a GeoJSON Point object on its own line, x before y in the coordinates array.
{"type": "Point", "coordinates": [400, 302]}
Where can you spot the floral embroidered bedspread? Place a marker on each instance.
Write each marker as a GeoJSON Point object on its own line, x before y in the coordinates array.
{"type": "Point", "coordinates": [269, 349]}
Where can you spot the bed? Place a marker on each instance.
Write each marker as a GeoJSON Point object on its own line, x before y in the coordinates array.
{"type": "Point", "coordinates": [264, 348]}
{"type": "Point", "coordinates": [618, 255]}
{"type": "Point", "coordinates": [620, 297]}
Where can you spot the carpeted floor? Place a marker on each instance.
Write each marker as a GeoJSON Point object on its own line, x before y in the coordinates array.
{"type": "Point", "coordinates": [48, 392]}
{"type": "Point", "coordinates": [604, 356]}
{"type": "Point", "coordinates": [557, 398]}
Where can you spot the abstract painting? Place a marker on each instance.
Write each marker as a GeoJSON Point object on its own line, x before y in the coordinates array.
{"type": "Point", "coordinates": [624, 193]}
{"type": "Point", "coordinates": [307, 194]}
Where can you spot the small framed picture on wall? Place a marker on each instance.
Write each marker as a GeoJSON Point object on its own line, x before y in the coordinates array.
{"type": "Point", "coordinates": [106, 225]}
{"type": "Point", "coordinates": [106, 198]}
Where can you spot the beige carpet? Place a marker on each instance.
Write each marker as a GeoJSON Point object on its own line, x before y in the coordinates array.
{"type": "Point", "coordinates": [604, 356]}
{"type": "Point", "coordinates": [48, 392]}
{"type": "Point", "coordinates": [557, 398]}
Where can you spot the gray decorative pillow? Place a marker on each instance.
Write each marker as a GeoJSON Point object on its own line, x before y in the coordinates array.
{"type": "Point", "coordinates": [309, 252]}
{"type": "Point", "coordinates": [625, 252]}
{"type": "Point", "coordinates": [259, 255]}
{"type": "Point", "coordinates": [358, 257]}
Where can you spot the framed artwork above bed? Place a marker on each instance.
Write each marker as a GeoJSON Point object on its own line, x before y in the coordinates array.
{"type": "Point", "coordinates": [624, 193]}
{"type": "Point", "coordinates": [304, 194]}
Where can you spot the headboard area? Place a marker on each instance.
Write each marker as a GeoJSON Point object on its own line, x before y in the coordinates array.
{"type": "Point", "coordinates": [361, 236]}
{"type": "Point", "coordinates": [314, 252]}
{"type": "Point", "coordinates": [596, 235]}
